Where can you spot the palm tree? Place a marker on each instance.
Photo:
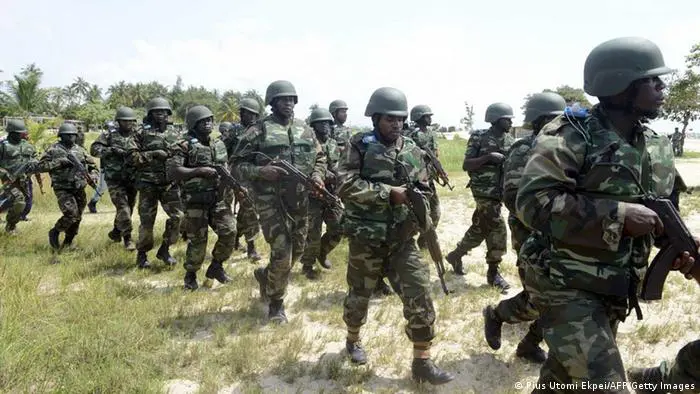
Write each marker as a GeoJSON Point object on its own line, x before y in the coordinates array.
{"type": "Point", "coordinates": [229, 107]}
{"type": "Point", "coordinates": [81, 88]}
{"type": "Point", "coordinates": [25, 90]}
{"type": "Point", "coordinates": [94, 95]}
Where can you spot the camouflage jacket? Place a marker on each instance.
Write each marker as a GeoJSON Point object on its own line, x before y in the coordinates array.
{"type": "Point", "coordinates": [487, 181]}
{"type": "Point", "coordinates": [575, 189]}
{"type": "Point", "coordinates": [332, 152]}
{"type": "Point", "coordinates": [513, 168]}
{"type": "Point", "coordinates": [424, 139]}
{"type": "Point", "coordinates": [367, 173]}
{"type": "Point", "coordinates": [151, 170]}
{"type": "Point", "coordinates": [232, 137]}
{"type": "Point", "coordinates": [295, 143]}
{"type": "Point", "coordinates": [341, 134]}
{"type": "Point", "coordinates": [192, 153]}
{"type": "Point", "coordinates": [12, 156]}
{"type": "Point", "coordinates": [115, 165]}
{"type": "Point", "coordinates": [66, 178]}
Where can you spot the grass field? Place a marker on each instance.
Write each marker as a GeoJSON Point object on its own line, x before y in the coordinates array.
{"type": "Point", "coordinates": [94, 323]}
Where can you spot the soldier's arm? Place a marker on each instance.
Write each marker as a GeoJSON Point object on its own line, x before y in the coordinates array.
{"type": "Point", "coordinates": [241, 158]}
{"type": "Point", "coordinates": [50, 161]}
{"type": "Point", "coordinates": [175, 164]}
{"type": "Point", "coordinates": [91, 164]}
{"type": "Point", "coordinates": [472, 160]}
{"type": "Point", "coordinates": [353, 187]}
{"type": "Point", "coordinates": [318, 174]}
{"type": "Point", "coordinates": [138, 157]}
{"type": "Point", "coordinates": [547, 199]}
{"type": "Point", "coordinates": [100, 147]}
{"type": "Point", "coordinates": [513, 168]}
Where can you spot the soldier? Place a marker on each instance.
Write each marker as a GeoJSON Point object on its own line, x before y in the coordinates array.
{"type": "Point", "coordinates": [15, 152]}
{"type": "Point", "coordinates": [684, 373]}
{"type": "Point", "coordinates": [317, 247]}
{"type": "Point", "coordinates": [677, 139]}
{"type": "Point", "coordinates": [102, 185]}
{"type": "Point", "coordinates": [341, 133]}
{"type": "Point", "coordinates": [282, 202]}
{"type": "Point", "coordinates": [225, 130]}
{"type": "Point", "coordinates": [579, 190]}
{"type": "Point", "coordinates": [68, 185]}
{"type": "Point", "coordinates": [426, 140]}
{"type": "Point", "coordinates": [247, 218]}
{"type": "Point", "coordinates": [380, 229]}
{"type": "Point", "coordinates": [148, 153]}
{"type": "Point", "coordinates": [539, 110]}
{"type": "Point", "coordinates": [486, 150]}
{"type": "Point", "coordinates": [191, 164]}
{"type": "Point", "coordinates": [112, 149]}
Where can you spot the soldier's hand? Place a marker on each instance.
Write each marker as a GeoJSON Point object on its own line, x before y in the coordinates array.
{"type": "Point", "coordinates": [64, 162]}
{"type": "Point", "coordinates": [118, 151]}
{"type": "Point", "coordinates": [640, 220]}
{"type": "Point", "coordinates": [272, 173]}
{"type": "Point", "coordinates": [684, 262]}
{"type": "Point", "coordinates": [159, 154]}
{"type": "Point", "coordinates": [496, 157]}
{"type": "Point", "coordinates": [206, 172]}
{"type": "Point", "coordinates": [317, 191]}
{"type": "Point", "coordinates": [398, 195]}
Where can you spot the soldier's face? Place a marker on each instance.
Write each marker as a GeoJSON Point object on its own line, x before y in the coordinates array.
{"type": "Point", "coordinates": [341, 115]}
{"type": "Point", "coordinates": [504, 123]}
{"type": "Point", "coordinates": [204, 126]}
{"type": "Point", "coordinates": [650, 96]}
{"type": "Point", "coordinates": [322, 129]}
{"type": "Point", "coordinates": [427, 119]}
{"type": "Point", "coordinates": [127, 125]}
{"type": "Point", "coordinates": [69, 139]}
{"type": "Point", "coordinates": [14, 138]}
{"type": "Point", "coordinates": [159, 115]}
{"type": "Point", "coordinates": [284, 105]}
{"type": "Point", "coordinates": [390, 126]}
{"type": "Point", "coordinates": [247, 117]}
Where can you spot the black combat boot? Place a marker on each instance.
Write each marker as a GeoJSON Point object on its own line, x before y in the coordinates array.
{"type": "Point", "coordinates": [216, 271]}
{"type": "Point", "coordinates": [92, 206]}
{"type": "Point", "coordinates": [492, 328]}
{"type": "Point", "coordinates": [115, 235]}
{"type": "Point", "coordinates": [455, 260]}
{"type": "Point", "coordinates": [252, 253]}
{"type": "Point", "coordinates": [356, 352]}
{"type": "Point", "coordinates": [276, 313]}
{"type": "Point", "coordinates": [324, 262]}
{"type": "Point", "coordinates": [53, 239]}
{"type": "Point", "coordinates": [646, 379]}
{"type": "Point", "coordinates": [261, 276]}
{"type": "Point", "coordinates": [530, 350]}
{"type": "Point", "coordinates": [68, 241]}
{"type": "Point", "coordinates": [142, 260]}
{"type": "Point", "coordinates": [128, 244]}
{"type": "Point", "coordinates": [191, 281]}
{"type": "Point", "coordinates": [425, 370]}
{"type": "Point", "coordinates": [163, 254]}
{"type": "Point", "coordinates": [309, 272]}
{"type": "Point", "coordinates": [11, 229]}
{"type": "Point", "coordinates": [494, 278]}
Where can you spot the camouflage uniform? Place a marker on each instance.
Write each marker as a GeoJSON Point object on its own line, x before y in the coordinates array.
{"type": "Point", "coordinates": [68, 186]}
{"type": "Point", "coordinates": [427, 140]}
{"type": "Point", "coordinates": [12, 156]}
{"type": "Point", "coordinates": [341, 135]}
{"type": "Point", "coordinates": [487, 189]}
{"type": "Point", "coordinates": [282, 205]}
{"type": "Point", "coordinates": [246, 218]}
{"type": "Point", "coordinates": [112, 148]}
{"type": "Point", "coordinates": [154, 187]}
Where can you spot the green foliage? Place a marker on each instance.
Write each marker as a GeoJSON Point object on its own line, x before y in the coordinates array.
{"type": "Point", "coordinates": [40, 134]}
{"type": "Point", "coordinates": [683, 92]}
{"type": "Point", "coordinates": [570, 94]}
{"type": "Point", "coordinates": [468, 120]}
{"type": "Point", "coordinates": [94, 114]}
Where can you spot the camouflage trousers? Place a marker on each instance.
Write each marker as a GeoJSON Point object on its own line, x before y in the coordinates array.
{"type": "Point", "coordinates": [434, 203]}
{"type": "Point", "coordinates": [17, 201]}
{"type": "Point", "coordinates": [198, 219]}
{"type": "Point", "coordinates": [71, 202]}
{"type": "Point", "coordinates": [518, 308]}
{"type": "Point", "coordinates": [247, 220]}
{"type": "Point", "coordinates": [169, 198]}
{"type": "Point", "coordinates": [365, 267]}
{"type": "Point", "coordinates": [317, 246]}
{"type": "Point", "coordinates": [685, 369]}
{"type": "Point", "coordinates": [487, 224]}
{"type": "Point", "coordinates": [285, 232]}
{"type": "Point", "coordinates": [123, 196]}
{"type": "Point", "coordinates": [579, 328]}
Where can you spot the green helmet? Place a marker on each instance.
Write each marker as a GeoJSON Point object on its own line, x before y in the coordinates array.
{"type": "Point", "coordinates": [15, 126]}
{"type": "Point", "coordinates": [158, 103]}
{"type": "Point", "coordinates": [125, 113]}
{"type": "Point", "coordinates": [613, 65]}
{"type": "Point", "coordinates": [497, 111]}
{"type": "Point", "coordinates": [336, 105]}
{"type": "Point", "coordinates": [387, 101]}
{"type": "Point", "coordinates": [547, 103]}
{"type": "Point", "coordinates": [250, 104]}
{"type": "Point", "coordinates": [67, 129]}
{"type": "Point", "coordinates": [280, 89]}
{"type": "Point", "coordinates": [195, 114]}
{"type": "Point", "coordinates": [225, 126]}
{"type": "Point", "coordinates": [419, 111]}
{"type": "Point", "coordinates": [319, 114]}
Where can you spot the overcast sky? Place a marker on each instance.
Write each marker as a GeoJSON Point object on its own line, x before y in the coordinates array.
{"type": "Point", "coordinates": [438, 52]}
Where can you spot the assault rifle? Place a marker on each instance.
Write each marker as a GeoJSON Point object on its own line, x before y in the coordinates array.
{"type": "Point", "coordinates": [442, 178]}
{"type": "Point", "coordinates": [5, 195]}
{"type": "Point", "coordinates": [228, 181]}
{"type": "Point", "coordinates": [78, 166]}
{"type": "Point", "coordinates": [329, 199]}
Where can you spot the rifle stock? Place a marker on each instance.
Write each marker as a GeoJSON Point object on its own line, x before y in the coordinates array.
{"type": "Point", "coordinates": [229, 181]}
{"type": "Point", "coordinates": [443, 179]}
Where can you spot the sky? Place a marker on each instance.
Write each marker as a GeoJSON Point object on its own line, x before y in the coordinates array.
{"type": "Point", "coordinates": [440, 53]}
